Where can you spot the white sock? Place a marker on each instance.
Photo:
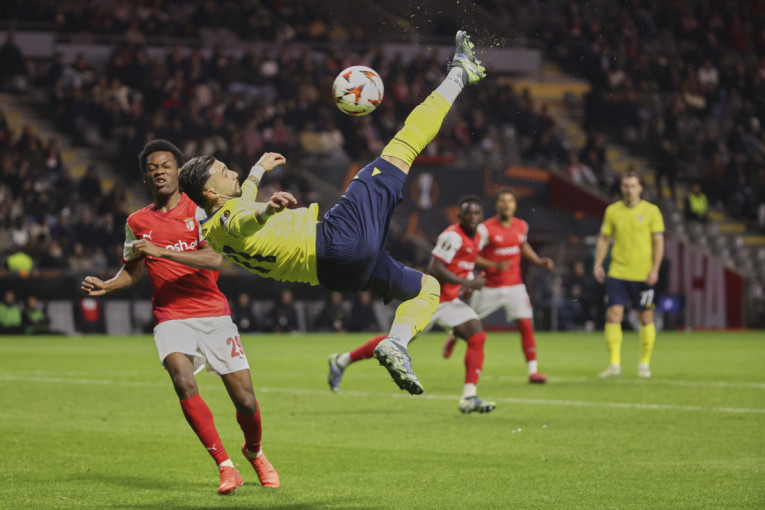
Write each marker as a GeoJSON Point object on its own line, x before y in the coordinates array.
{"type": "Point", "coordinates": [531, 366]}
{"type": "Point", "coordinates": [226, 463]}
{"type": "Point", "coordinates": [344, 359]}
{"type": "Point", "coordinates": [469, 390]}
{"type": "Point", "coordinates": [251, 455]}
{"type": "Point", "coordinates": [451, 87]}
{"type": "Point", "coordinates": [400, 333]}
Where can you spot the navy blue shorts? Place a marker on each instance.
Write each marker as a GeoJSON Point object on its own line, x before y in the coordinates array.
{"type": "Point", "coordinates": [350, 241]}
{"type": "Point", "coordinates": [624, 292]}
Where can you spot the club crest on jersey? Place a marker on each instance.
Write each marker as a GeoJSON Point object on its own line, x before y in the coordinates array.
{"type": "Point", "coordinates": [225, 216]}
{"type": "Point", "coordinates": [189, 223]}
{"type": "Point", "coordinates": [640, 218]}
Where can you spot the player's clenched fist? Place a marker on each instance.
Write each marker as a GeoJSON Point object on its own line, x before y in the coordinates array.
{"type": "Point", "coordinates": [92, 286]}
{"type": "Point", "coordinates": [271, 160]}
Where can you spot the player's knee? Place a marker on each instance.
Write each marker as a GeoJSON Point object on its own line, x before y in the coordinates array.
{"type": "Point", "coordinates": [185, 387]}
{"type": "Point", "coordinates": [246, 403]}
{"type": "Point", "coordinates": [477, 339]}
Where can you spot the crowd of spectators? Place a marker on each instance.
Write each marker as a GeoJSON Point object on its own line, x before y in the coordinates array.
{"type": "Point", "coordinates": [678, 82]}
{"type": "Point", "coordinates": [49, 219]}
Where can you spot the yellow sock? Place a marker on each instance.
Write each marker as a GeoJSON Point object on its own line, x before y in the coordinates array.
{"type": "Point", "coordinates": [415, 313]}
{"type": "Point", "coordinates": [647, 339]}
{"type": "Point", "coordinates": [420, 127]}
{"type": "Point", "coordinates": [613, 334]}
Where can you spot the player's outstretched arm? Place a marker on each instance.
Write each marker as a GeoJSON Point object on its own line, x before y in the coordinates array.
{"type": "Point", "coordinates": [128, 275]}
{"type": "Point", "coordinates": [203, 258]}
{"type": "Point", "coordinates": [529, 253]}
{"type": "Point", "coordinates": [437, 269]}
{"type": "Point", "coordinates": [266, 163]}
{"type": "Point", "coordinates": [499, 265]}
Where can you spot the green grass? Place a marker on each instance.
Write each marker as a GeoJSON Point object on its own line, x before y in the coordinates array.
{"type": "Point", "coordinates": [93, 422]}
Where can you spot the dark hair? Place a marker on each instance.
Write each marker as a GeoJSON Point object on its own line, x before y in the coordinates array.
{"type": "Point", "coordinates": [632, 173]}
{"type": "Point", "coordinates": [507, 191]}
{"type": "Point", "coordinates": [193, 177]}
{"type": "Point", "coordinates": [469, 199]}
{"type": "Point", "coordinates": [159, 146]}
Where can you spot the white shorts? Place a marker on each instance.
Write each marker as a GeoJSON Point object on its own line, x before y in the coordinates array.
{"type": "Point", "coordinates": [213, 341]}
{"type": "Point", "coordinates": [514, 299]}
{"type": "Point", "coordinates": [450, 314]}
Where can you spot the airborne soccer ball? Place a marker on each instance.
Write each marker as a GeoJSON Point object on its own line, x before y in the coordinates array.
{"type": "Point", "coordinates": [358, 90]}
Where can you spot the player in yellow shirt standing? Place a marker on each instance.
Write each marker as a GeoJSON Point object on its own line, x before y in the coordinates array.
{"type": "Point", "coordinates": [346, 251]}
{"type": "Point", "coordinates": [637, 229]}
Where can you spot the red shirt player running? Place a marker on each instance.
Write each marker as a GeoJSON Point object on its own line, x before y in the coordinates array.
{"type": "Point", "coordinates": [503, 241]}
{"type": "Point", "coordinates": [452, 263]}
{"type": "Point", "coordinates": [193, 324]}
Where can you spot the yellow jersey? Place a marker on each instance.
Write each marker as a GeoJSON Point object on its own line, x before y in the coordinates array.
{"type": "Point", "coordinates": [283, 247]}
{"type": "Point", "coordinates": [632, 229]}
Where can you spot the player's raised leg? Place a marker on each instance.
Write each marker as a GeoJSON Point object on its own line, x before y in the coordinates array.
{"type": "Point", "coordinates": [339, 362]}
{"type": "Point", "coordinates": [424, 122]}
{"type": "Point", "coordinates": [420, 127]}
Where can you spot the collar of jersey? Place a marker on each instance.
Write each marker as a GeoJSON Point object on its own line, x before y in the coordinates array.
{"type": "Point", "coordinates": [213, 214]}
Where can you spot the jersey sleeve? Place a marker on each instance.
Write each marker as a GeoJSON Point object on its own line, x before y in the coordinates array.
{"type": "Point", "coordinates": [201, 216]}
{"type": "Point", "coordinates": [608, 223]}
{"type": "Point", "coordinates": [239, 218]}
{"type": "Point", "coordinates": [447, 245]}
{"type": "Point", "coordinates": [128, 254]}
{"type": "Point", "coordinates": [524, 231]}
{"type": "Point", "coordinates": [249, 191]}
{"type": "Point", "coordinates": [657, 221]}
{"type": "Point", "coordinates": [483, 234]}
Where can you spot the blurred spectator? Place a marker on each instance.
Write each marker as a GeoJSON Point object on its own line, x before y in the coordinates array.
{"type": "Point", "coordinates": [283, 315]}
{"type": "Point", "coordinates": [362, 314]}
{"type": "Point", "coordinates": [332, 316]}
{"type": "Point", "coordinates": [243, 315]}
{"type": "Point", "coordinates": [581, 173]}
{"type": "Point", "coordinates": [696, 204]}
{"type": "Point", "coordinates": [35, 318]}
{"type": "Point", "coordinates": [576, 299]}
{"type": "Point", "coordinates": [89, 317]}
{"type": "Point", "coordinates": [13, 68]}
{"type": "Point", "coordinates": [10, 314]}
{"type": "Point", "coordinates": [20, 262]}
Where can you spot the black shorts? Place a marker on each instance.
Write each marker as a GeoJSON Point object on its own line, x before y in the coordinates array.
{"type": "Point", "coordinates": [350, 241]}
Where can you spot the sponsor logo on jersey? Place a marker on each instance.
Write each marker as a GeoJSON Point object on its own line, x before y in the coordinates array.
{"type": "Point", "coordinates": [466, 265]}
{"type": "Point", "coordinates": [147, 236]}
{"type": "Point", "coordinates": [181, 245]}
{"type": "Point", "coordinates": [508, 250]}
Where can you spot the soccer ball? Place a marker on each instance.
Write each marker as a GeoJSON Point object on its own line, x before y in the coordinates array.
{"type": "Point", "coordinates": [358, 90]}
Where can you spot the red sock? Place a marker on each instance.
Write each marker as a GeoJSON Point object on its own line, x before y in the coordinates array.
{"type": "Point", "coordinates": [251, 428]}
{"type": "Point", "coordinates": [367, 350]}
{"type": "Point", "coordinates": [201, 420]}
{"type": "Point", "coordinates": [528, 342]}
{"type": "Point", "coordinates": [474, 357]}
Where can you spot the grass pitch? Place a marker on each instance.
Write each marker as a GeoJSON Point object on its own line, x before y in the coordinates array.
{"type": "Point", "coordinates": [93, 422]}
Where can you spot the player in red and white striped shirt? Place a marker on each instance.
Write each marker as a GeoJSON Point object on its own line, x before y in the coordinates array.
{"type": "Point", "coordinates": [193, 323]}
{"type": "Point", "coordinates": [503, 242]}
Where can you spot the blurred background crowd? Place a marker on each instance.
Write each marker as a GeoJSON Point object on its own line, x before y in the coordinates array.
{"type": "Point", "coordinates": [674, 82]}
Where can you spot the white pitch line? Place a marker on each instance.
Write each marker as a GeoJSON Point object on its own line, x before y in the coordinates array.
{"type": "Point", "coordinates": [624, 380]}
{"type": "Point", "coordinates": [368, 394]}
